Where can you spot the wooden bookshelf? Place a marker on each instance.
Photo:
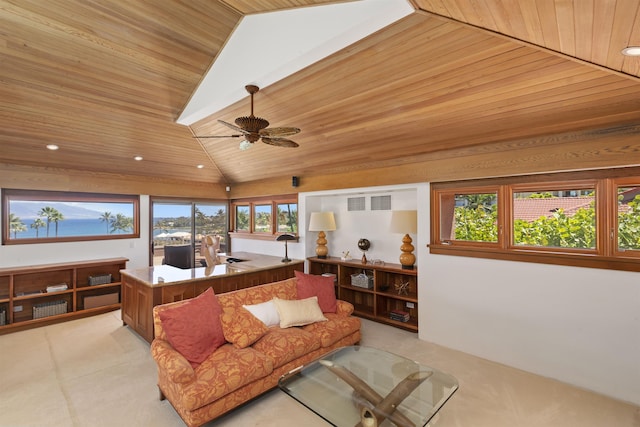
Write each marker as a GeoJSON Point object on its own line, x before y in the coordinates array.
{"type": "Point", "coordinates": [391, 289]}
{"type": "Point", "coordinates": [28, 295]}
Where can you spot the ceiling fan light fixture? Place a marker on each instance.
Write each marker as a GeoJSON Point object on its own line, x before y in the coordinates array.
{"type": "Point", "coordinates": [244, 145]}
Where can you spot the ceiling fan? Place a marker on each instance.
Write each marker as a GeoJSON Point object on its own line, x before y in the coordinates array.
{"type": "Point", "coordinates": [254, 128]}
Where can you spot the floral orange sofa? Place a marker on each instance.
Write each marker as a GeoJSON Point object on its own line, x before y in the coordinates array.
{"type": "Point", "coordinates": [252, 356]}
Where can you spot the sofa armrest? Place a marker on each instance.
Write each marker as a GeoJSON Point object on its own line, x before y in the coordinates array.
{"type": "Point", "coordinates": [172, 363]}
{"type": "Point", "coordinates": [344, 308]}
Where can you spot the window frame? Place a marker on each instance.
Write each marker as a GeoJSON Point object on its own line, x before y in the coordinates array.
{"type": "Point", "coordinates": [606, 254]}
{"type": "Point", "coordinates": [252, 203]}
{"type": "Point", "coordinates": [9, 195]}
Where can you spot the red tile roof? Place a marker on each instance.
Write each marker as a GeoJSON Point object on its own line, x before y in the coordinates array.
{"type": "Point", "coordinates": [530, 209]}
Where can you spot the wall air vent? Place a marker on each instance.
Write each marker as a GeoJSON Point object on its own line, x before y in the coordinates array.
{"type": "Point", "coordinates": [380, 203]}
{"type": "Point", "coordinates": [355, 204]}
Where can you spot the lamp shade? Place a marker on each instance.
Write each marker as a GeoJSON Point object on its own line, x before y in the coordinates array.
{"type": "Point", "coordinates": [322, 221]}
{"type": "Point", "coordinates": [404, 222]}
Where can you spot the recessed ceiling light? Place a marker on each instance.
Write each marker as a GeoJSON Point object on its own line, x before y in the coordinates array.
{"type": "Point", "coordinates": [200, 166]}
{"type": "Point", "coordinates": [137, 158]}
{"type": "Point", "coordinates": [52, 147]}
{"type": "Point", "coordinates": [631, 51]}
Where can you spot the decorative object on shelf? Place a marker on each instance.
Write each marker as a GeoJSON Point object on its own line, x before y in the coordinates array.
{"type": "Point", "coordinates": [345, 256]}
{"type": "Point", "coordinates": [101, 279]}
{"type": "Point", "coordinates": [364, 245]}
{"type": "Point", "coordinates": [285, 238]}
{"type": "Point", "coordinates": [50, 308]}
{"type": "Point", "coordinates": [405, 222]}
{"type": "Point", "coordinates": [402, 288]}
{"type": "Point", "coordinates": [362, 280]}
{"type": "Point", "coordinates": [321, 222]}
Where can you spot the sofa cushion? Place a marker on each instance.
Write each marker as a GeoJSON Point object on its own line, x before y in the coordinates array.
{"type": "Point", "coordinates": [285, 289]}
{"type": "Point", "coordinates": [336, 328]}
{"type": "Point", "coordinates": [285, 345]}
{"type": "Point", "coordinates": [224, 371]}
{"type": "Point", "coordinates": [265, 311]}
{"type": "Point", "coordinates": [309, 285]}
{"type": "Point", "coordinates": [298, 312]}
{"type": "Point", "coordinates": [240, 327]}
{"type": "Point", "coordinates": [194, 328]}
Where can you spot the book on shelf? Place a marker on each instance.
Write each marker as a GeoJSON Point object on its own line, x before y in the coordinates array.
{"type": "Point", "coordinates": [399, 315]}
{"type": "Point", "coordinates": [57, 288]}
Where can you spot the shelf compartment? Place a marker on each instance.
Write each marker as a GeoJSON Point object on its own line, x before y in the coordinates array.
{"type": "Point", "coordinates": [25, 284]}
{"type": "Point", "coordinates": [363, 302]}
{"type": "Point", "coordinates": [384, 306]}
{"type": "Point", "coordinates": [27, 305]}
{"type": "Point", "coordinates": [84, 274]}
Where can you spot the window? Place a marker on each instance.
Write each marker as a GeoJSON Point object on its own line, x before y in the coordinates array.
{"type": "Point", "coordinates": [589, 219]}
{"type": "Point", "coordinates": [469, 217]}
{"type": "Point", "coordinates": [287, 218]}
{"type": "Point", "coordinates": [243, 218]}
{"type": "Point", "coordinates": [562, 217]}
{"type": "Point", "coordinates": [178, 222]}
{"type": "Point", "coordinates": [50, 216]}
{"type": "Point", "coordinates": [263, 218]}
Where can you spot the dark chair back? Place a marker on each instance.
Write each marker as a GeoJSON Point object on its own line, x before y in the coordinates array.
{"type": "Point", "coordinates": [178, 256]}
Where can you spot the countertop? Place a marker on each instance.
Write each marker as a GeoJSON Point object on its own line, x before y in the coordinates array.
{"type": "Point", "coordinates": [163, 275]}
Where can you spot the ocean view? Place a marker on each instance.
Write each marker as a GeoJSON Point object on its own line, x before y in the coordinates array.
{"type": "Point", "coordinates": [68, 227]}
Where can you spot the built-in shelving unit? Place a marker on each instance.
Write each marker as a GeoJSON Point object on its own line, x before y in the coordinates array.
{"type": "Point", "coordinates": [387, 288]}
{"type": "Point", "coordinates": [35, 295]}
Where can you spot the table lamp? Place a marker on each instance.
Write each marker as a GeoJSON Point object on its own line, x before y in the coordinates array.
{"type": "Point", "coordinates": [285, 238]}
{"type": "Point", "coordinates": [321, 222]}
{"type": "Point", "coordinates": [405, 222]}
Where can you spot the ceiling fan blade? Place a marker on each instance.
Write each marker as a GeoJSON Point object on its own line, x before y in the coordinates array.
{"type": "Point", "coordinates": [234, 127]}
{"type": "Point", "coordinates": [218, 136]}
{"type": "Point", "coordinates": [281, 131]}
{"type": "Point", "coordinates": [280, 142]}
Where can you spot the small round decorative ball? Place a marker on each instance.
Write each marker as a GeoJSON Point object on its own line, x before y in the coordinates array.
{"type": "Point", "coordinates": [364, 244]}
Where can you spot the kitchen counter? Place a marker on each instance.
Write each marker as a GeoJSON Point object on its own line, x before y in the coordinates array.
{"type": "Point", "coordinates": [144, 288]}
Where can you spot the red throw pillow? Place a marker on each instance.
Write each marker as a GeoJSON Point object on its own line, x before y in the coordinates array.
{"type": "Point", "coordinates": [310, 285]}
{"type": "Point", "coordinates": [193, 329]}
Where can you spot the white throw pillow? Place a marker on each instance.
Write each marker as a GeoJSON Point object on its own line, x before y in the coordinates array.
{"type": "Point", "coordinates": [265, 311]}
{"type": "Point", "coordinates": [299, 312]}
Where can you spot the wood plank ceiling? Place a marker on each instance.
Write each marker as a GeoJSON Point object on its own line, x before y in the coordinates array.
{"type": "Point", "coordinates": [106, 81]}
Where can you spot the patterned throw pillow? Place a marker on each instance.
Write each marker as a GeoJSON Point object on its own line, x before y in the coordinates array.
{"type": "Point", "coordinates": [241, 328]}
{"type": "Point", "coordinates": [193, 329]}
{"type": "Point", "coordinates": [312, 285]}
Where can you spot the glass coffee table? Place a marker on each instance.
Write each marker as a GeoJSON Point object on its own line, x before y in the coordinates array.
{"type": "Point", "coordinates": [367, 387]}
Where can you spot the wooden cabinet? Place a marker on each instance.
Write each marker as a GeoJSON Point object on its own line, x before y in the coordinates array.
{"type": "Point", "coordinates": [140, 296]}
{"type": "Point", "coordinates": [382, 292]}
{"type": "Point", "coordinates": [35, 295]}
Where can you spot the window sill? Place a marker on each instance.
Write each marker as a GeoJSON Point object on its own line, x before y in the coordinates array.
{"type": "Point", "coordinates": [556, 258]}
{"type": "Point", "coordinates": [257, 236]}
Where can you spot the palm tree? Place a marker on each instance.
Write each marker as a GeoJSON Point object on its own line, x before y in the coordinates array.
{"type": "Point", "coordinates": [106, 218]}
{"type": "Point", "coordinates": [57, 217]}
{"type": "Point", "coordinates": [121, 223]}
{"type": "Point", "coordinates": [37, 224]}
{"type": "Point", "coordinates": [16, 225]}
{"type": "Point", "coordinates": [51, 214]}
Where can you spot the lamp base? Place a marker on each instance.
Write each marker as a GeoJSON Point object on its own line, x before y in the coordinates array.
{"type": "Point", "coordinates": [286, 260]}
{"type": "Point", "coordinates": [321, 256]}
{"type": "Point", "coordinates": [408, 267]}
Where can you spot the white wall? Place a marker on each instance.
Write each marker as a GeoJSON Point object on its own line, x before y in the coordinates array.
{"type": "Point", "coordinates": [577, 325]}
{"type": "Point", "coordinates": [136, 250]}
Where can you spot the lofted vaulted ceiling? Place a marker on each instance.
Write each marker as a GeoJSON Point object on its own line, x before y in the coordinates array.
{"type": "Point", "coordinates": [107, 80]}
